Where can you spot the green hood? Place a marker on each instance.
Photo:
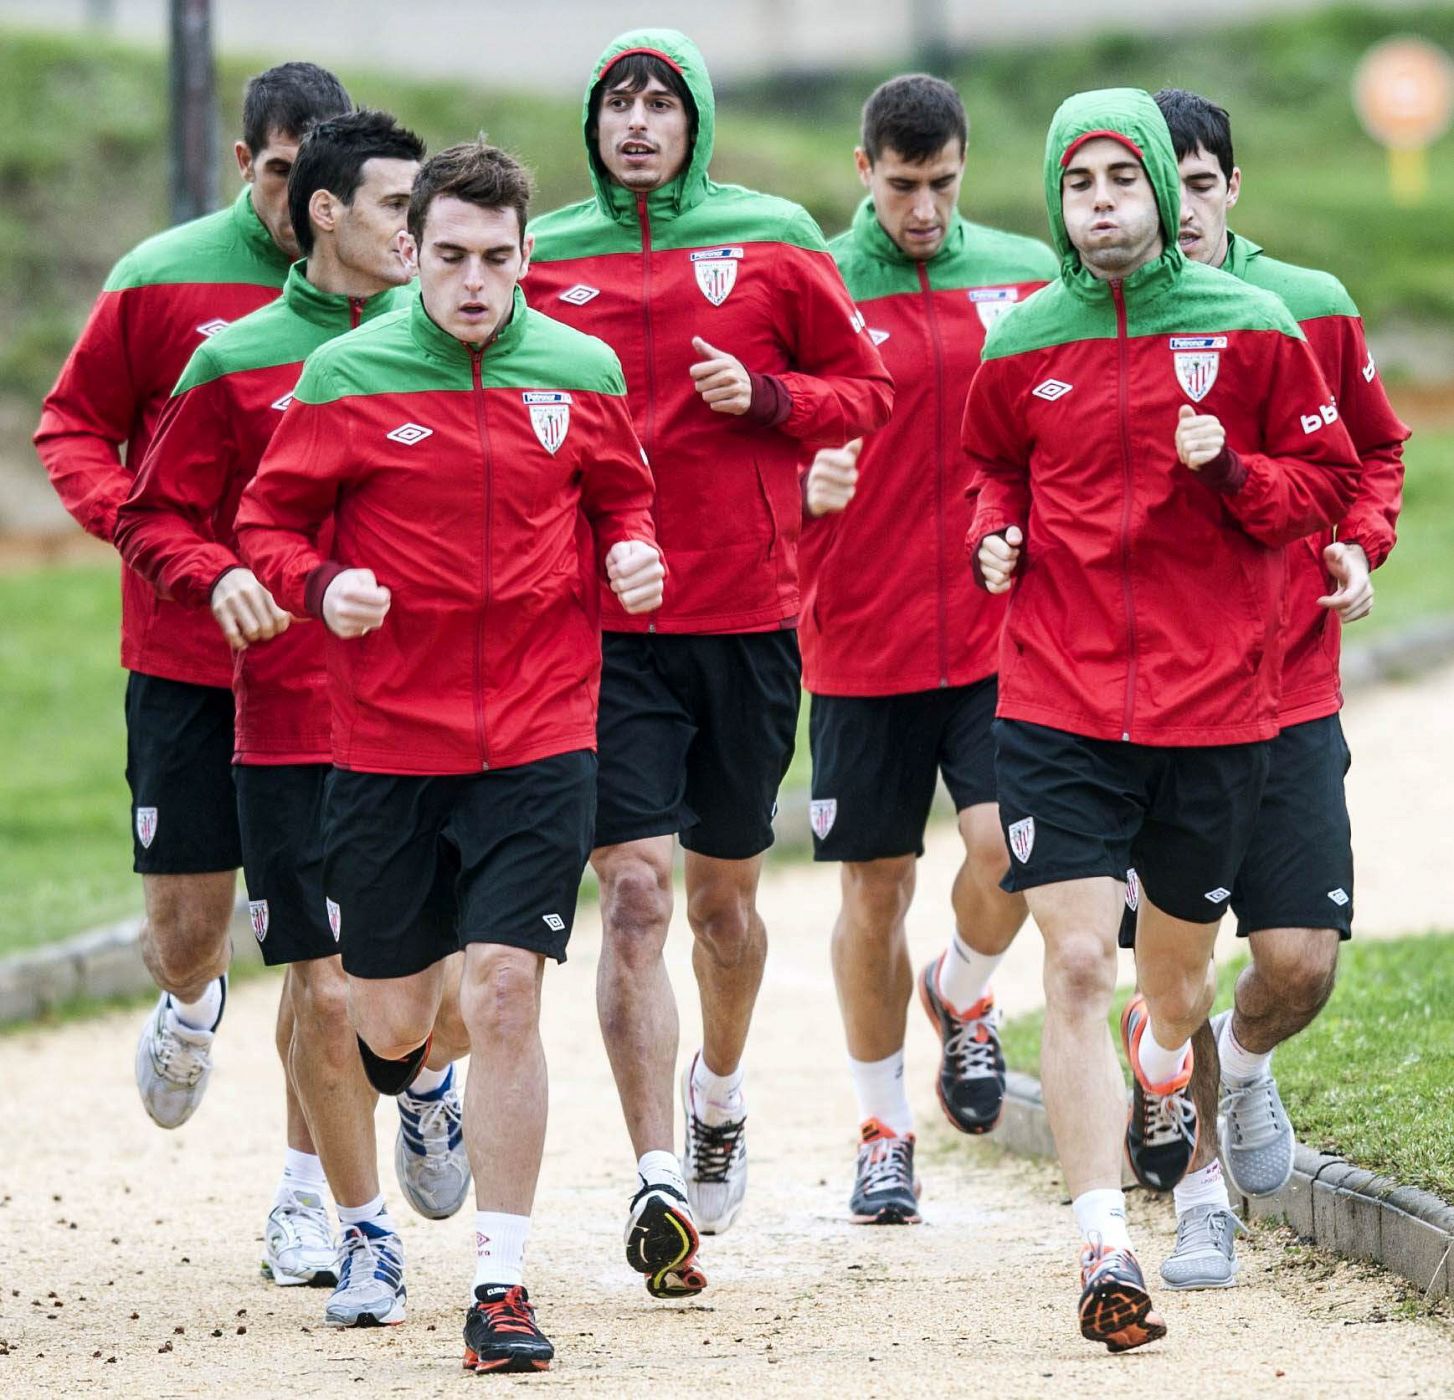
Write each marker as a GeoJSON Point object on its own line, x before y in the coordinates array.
{"type": "Point", "coordinates": [1126, 112]}
{"type": "Point", "coordinates": [691, 185]}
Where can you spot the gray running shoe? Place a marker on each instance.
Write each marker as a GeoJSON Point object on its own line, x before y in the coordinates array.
{"type": "Point", "coordinates": [714, 1164]}
{"type": "Point", "coordinates": [370, 1290]}
{"type": "Point", "coordinates": [429, 1153]}
{"type": "Point", "coordinates": [173, 1064]}
{"type": "Point", "coordinates": [298, 1245]}
{"type": "Point", "coordinates": [1256, 1138]}
{"type": "Point", "coordinates": [1205, 1255]}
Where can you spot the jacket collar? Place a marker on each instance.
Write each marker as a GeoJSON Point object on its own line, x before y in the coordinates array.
{"type": "Point", "coordinates": [874, 239]}
{"type": "Point", "coordinates": [440, 345]}
{"type": "Point", "coordinates": [1240, 252]}
{"type": "Point", "coordinates": [329, 309]}
{"type": "Point", "coordinates": [253, 232]}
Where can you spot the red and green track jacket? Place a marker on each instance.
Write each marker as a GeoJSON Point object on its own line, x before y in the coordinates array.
{"type": "Point", "coordinates": [752, 275]}
{"type": "Point", "coordinates": [1147, 605]}
{"type": "Point", "coordinates": [177, 527]}
{"type": "Point", "coordinates": [1328, 317]}
{"type": "Point", "coordinates": [458, 476]}
{"type": "Point", "coordinates": [888, 606]}
{"type": "Point", "coordinates": [162, 300]}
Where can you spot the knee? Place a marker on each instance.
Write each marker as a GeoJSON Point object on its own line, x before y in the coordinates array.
{"type": "Point", "coordinates": [1080, 974]}
{"type": "Point", "coordinates": [499, 994]}
{"type": "Point", "coordinates": [1301, 977]}
{"type": "Point", "coordinates": [181, 949]}
{"type": "Point", "coordinates": [636, 906]}
{"type": "Point", "coordinates": [320, 1001]}
{"type": "Point", "coordinates": [988, 859]}
{"type": "Point", "coordinates": [878, 892]}
{"type": "Point", "coordinates": [721, 918]}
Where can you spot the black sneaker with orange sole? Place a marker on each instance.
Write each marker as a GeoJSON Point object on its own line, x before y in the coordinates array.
{"type": "Point", "coordinates": [500, 1334]}
{"type": "Point", "coordinates": [1115, 1307]}
{"type": "Point", "coordinates": [971, 1084]}
{"type": "Point", "coordinates": [885, 1190]}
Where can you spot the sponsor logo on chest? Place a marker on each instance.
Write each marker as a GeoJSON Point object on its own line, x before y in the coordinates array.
{"type": "Point", "coordinates": [716, 270]}
{"type": "Point", "coordinates": [549, 416]}
{"type": "Point", "coordinates": [992, 302]}
{"type": "Point", "coordinates": [1196, 358]}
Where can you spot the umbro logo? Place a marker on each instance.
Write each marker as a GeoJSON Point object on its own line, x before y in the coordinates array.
{"type": "Point", "coordinates": [1217, 895]}
{"type": "Point", "coordinates": [409, 434]}
{"type": "Point", "coordinates": [580, 294]}
{"type": "Point", "coordinates": [1338, 896]}
{"type": "Point", "coordinates": [210, 328]}
{"type": "Point", "coordinates": [553, 922]}
{"type": "Point", "coordinates": [282, 403]}
{"type": "Point", "coordinates": [878, 337]}
{"type": "Point", "coordinates": [1052, 389]}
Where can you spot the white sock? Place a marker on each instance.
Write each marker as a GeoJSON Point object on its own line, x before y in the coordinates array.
{"type": "Point", "coordinates": [964, 975]}
{"type": "Point", "coordinates": [427, 1081]}
{"type": "Point", "coordinates": [376, 1212]}
{"type": "Point", "coordinates": [879, 1085]}
{"type": "Point", "coordinates": [302, 1171]}
{"type": "Point", "coordinates": [202, 1014]}
{"type": "Point", "coordinates": [1238, 1063]}
{"type": "Point", "coordinates": [661, 1168]}
{"type": "Point", "coordinates": [1159, 1064]}
{"type": "Point", "coordinates": [1103, 1214]}
{"type": "Point", "coordinates": [718, 1097]}
{"type": "Point", "coordinates": [1201, 1188]}
{"type": "Point", "coordinates": [500, 1248]}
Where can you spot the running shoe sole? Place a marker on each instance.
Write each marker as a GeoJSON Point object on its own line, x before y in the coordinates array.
{"type": "Point", "coordinates": [926, 1001]}
{"type": "Point", "coordinates": [324, 1278]}
{"type": "Point", "coordinates": [1119, 1314]}
{"type": "Point", "coordinates": [662, 1244]}
{"type": "Point", "coordinates": [891, 1214]}
{"type": "Point", "coordinates": [502, 1365]}
{"type": "Point", "coordinates": [391, 1317]}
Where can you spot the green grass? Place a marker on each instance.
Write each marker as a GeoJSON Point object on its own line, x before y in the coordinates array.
{"type": "Point", "coordinates": [1372, 1079]}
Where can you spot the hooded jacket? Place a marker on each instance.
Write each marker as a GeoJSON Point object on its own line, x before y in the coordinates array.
{"type": "Point", "coordinates": [458, 476]}
{"type": "Point", "coordinates": [1147, 602]}
{"type": "Point", "coordinates": [162, 300]}
{"type": "Point", "coordinates": [752, 275]}
{"type": "Point", "coordinates": [888, 606]}
{"type": "Point", "coordinates": [1328, 317]}
{"type": "Point", "coordinates": [177, 527]}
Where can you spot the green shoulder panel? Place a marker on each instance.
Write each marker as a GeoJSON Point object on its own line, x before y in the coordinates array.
{"type": "Point", "coordinates": [1052, 316]}
{"type": "Point", "coordinates": [581, 231]}
{"type": "Point", "coordinates": [227, 246]}
{"type": "Point", "coordinates": [732, 214]}
{"type": "Point", "coordinates": [1306, 292]}
{"type": "Point", "coordinates": [869, 278]}
{"type": "Point", "coordinates": [991, 257]}
{"type": "Point", "coordinates": [552, 355]}
{"type": "Point", "coordinates": [272, 335]}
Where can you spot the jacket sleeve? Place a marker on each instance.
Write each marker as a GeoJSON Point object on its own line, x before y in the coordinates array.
{"type": "Point", "coordinates": [999, 459]}
{"type": "Point", "coordinates": [617, 488]}
{"type": "Point", "coordinates": [294, 492]}
{"type": "Point", "coordinates": [165, 528]}
{"type": "Point", "coordinates": [1306, 471]}
{"type": "Point", "coordinates": [88, 414]}
{"type": "Point", "coordinates": [1377, 432]}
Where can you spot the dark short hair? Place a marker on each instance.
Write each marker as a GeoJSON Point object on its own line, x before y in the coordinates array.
{"type": "Point", "coordinates": [476, 172]}
{"type": "Point", "coordinates": [916, 115]}
{"type": "Point", "coordinates": [631, 74]}
{"type": "Point", "coordinates": [332, 158]}
{"type": "Point", "coordinates": [290, 99]}
{"type": "Point", "coordinates": [1196, 122]}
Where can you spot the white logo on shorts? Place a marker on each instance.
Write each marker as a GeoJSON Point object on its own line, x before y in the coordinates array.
{"type": "Point", "coordinates": [335, 917]}
{"type": "Point", "coordinates": [1217, 895]}
{"type": "Point", "coordinates": [822, 813]}
{"type": "Point", "coordinates": [553, 922]}
{"type": "Point", "coordinates": [1133, 890]}
{"type": "Point", "coordinates": [1022, 838]}
{"type": "Point", "coordinates": [257, 910]}
{"type": "Point", "coordinates": [1339, 897]}
{"type": "Point", "coordinates": [146, 826]}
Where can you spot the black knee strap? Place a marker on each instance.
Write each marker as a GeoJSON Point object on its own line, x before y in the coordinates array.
{"type": "Point", "coordinates": [392, 1076]}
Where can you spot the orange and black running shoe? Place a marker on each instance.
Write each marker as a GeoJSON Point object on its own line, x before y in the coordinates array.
{"type": "Point", "coordinates": [971, 1084]}
{"type": "Point", "coordinates": [500, 1332]}
{"type": "Point", "coordinates": [1115, 1307]}
{"type": "Point", "coordinates": [885, 1191]}
{"type": "Point", "coordinates": [1162, 1130]}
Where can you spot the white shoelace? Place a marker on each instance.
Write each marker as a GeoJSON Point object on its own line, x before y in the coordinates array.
{"type": "Point", "coordinates": [888, 1165]}
{"type": "Point", "coordinates": [1167, 1119]}
{"type": "Point", "coordinates": [438, 1118]}
{"type": "Point", "coordinates": [176, 1059]}
{"type": "Point", "coordinates": [975, 1058]}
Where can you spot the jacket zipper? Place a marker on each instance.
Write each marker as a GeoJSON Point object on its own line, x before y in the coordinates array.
{"type": "Point", "coordinates": [478, 394]}
{"type": "Point", "coordinates": [1123, 409]}
{"type": "Point", "coordinates": [355, 312]}
{"type": "Point", "coordinates": [939, 555]}
{"type": "Point", "coordinates": [649, 433]}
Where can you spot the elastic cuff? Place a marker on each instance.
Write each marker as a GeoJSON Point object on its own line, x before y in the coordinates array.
{"type": "Point", "coordinates": [771, 402]}
{"type": "Point", "coordinates": [1225, 473]}
{"type": "Point", "coordinates": [316, 586]}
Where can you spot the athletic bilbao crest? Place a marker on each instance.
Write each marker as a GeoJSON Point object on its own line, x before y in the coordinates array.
{"type": "Point", "coordinates": [822, 812]}
{"type": "Point", "coordinates": [550, 417]}
{"type": "Point", "coordinates": [1022, 838]}
{"type": "Point", "coordinates": [1196, 357]}
{"type": "Point", "coordinates": [335, 917]}
{"type": "Point", "coordinates": [146, 826]}
{"type": "Point", "coordinates": [716, 270]}
{"type": "Point", "coordinates": [257, 910]}
{"type": "Point", "coordinates": [992, 302]}
{"type": "Point", "coordinates": [1133, 890]}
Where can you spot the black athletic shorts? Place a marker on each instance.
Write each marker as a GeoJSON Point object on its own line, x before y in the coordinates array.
{"type": "Point", "coordinates": [281, 812]}
{"type": "Point", "coordinates": [416, 867]}
{"type": "Point", "coordinates": [876, 759]}
{"type": "Point", "coordinates": [179, 768]}
{"type": "Point", "coordinates": [695, 735]}
{"type": "Point", "coordinates": [1074, 807]}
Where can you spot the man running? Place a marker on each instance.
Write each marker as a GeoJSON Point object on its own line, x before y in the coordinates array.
{"type": "Point", "coordinates": [899, 648]}
{"type": "Point", "coordinates": [1293, 896]}
{"type": "Point", "coordinates": [1146, 434]}
{"type": "Point", "coordinates": [161, 301]}
{"type": "Point", "coordinates": [349, 195]}
{"type": "Point", "coordinates": [455, 445]}
{"type": "Point", "coordinates": [740, 346]}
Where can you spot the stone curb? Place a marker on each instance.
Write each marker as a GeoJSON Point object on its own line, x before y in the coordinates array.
{"type": "Point", "coordinates": [1329, 1201]}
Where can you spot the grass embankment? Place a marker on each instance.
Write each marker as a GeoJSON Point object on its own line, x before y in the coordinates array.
{"type": "Point", "coordinates": [1372, 1079]}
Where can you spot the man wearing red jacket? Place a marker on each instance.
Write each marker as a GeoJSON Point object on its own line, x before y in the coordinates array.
{"type": "Point", "coordinates": [161, 301]}
{"type": "Point", "coordinates": [456, 444]}
{"type": "Point", "coordinates": [740, 346]}
{"type": "Point", "coordinates": [1146, 435]}
{"type": "Point", "coordinates": [1293, 896]}
{"type": "Point", "coordinates": [899, 648]}
{"type": "Point", "coordinates": [349, 193]}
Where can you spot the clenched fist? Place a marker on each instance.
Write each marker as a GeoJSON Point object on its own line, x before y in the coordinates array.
{"type": "Point", "coordinates": [1199, 437]}
{"type": "Point", "coordinates": [354, 603]}
{"type": "Point", "coordinates": [1353, 596]}
{"type": "Point", "coordinates": [245, 610]}
{"type": "Point", "coordinates": [833, 479]}
{"type": "Point", "coordinates": [998, 556]}
{"type": "Point", "coordinates": [636, 574]}
{"type": "Point", "coordinates": [720, 379]}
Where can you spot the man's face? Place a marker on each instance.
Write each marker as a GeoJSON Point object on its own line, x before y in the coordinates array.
{"type": "Point", "coordinates": [366, 232]}
{"type": "Point", "coordinates": [267, 173]}
{"type": "Point", "coordinates": [914, 200]}
{"type": "Point", "coordinates": [1109, 209]}
{"type": "Point", "coordinates": [1206, 197]}
{"type": "Point", "coordinates": [469, 260]}
{"type": "Point", "coordinates": [643, 137]}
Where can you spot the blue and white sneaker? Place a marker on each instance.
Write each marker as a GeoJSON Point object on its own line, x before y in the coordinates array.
{"type": "Point", "coordinates": [429, 1154]}
{"type": "Point", "coordinates": [370, 1290]}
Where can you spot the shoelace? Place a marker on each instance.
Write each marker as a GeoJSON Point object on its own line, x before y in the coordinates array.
{"type": "Point", "coordinates": [714, 1146]}
{"type": "Point", "coordinates": [310, 1227]}
{"type": "Point", "coordinates": [438, 1121]}
{"type": "Point", "coordinates": [175, 1059]}
{"type": "Point", "coordinates": [1096, 1257]}
{"type": "Point", "coordinates": [376, 1260]}
{"type": "Point", "coordinates": [972, 1050]}
{"type": "Point", "coordinates": [1206, 1230]}
{"type": "Point", "coordinates": [1251, 1112]}
{"type": "Point", "coordinates": [512, 1313]}
{"type": "Point", "coordinates": [1166, 1118]}
{"type": "Point", "coordinates": [889, 1165]}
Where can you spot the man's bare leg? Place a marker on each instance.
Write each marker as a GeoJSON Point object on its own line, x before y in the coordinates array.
{"type": "Point", "coordinates": [729, 952]}
{"type": "Point", "coordinates": [298, 1137]}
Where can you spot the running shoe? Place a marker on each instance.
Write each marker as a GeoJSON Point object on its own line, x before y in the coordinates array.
{"type": "Point", "coordinates": [1161, 1133]}
{"type": "Point", "coordinates": [173, 1063]}
{"type": "Point", "coordinates": [500, 1333]}
{"type": "Point", "coordinates": [885, 1191]}
{"type": "Point", "coordinates": [971, 1084]}
{"type": "Point", "coordinates": [1115, 1307]}
{"type": "Point", "coordinates": [1205, 1254]}
{"type": "Point", "coordinates": [662, 1243]}
{"type": "Point", "coordinates": [714, 1164]}
{"type": "Point", "coordinates": [298, 1245]}
{"type": "Point", "coordinates": [1255, 1136]}
{"type": "Point", "coordinates": [429, 1154]}
{"type": "Point", "coordinates": [370, 1290]}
